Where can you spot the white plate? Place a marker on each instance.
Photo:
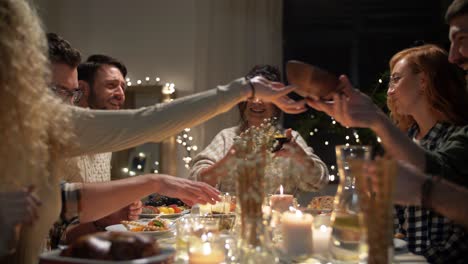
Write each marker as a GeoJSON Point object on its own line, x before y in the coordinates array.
{"type": "Point", "coordinates": [165, 215]}
{"type": "Point", "coordinates": [53, 257]}
{"type": "Point", "coordinates": [399, 243]}
{"type": "Point", "coordinates": [122, 228]}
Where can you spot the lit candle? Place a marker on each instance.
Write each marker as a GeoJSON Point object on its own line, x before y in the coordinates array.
{"type": "Point", "coordinates": [297, 233]}
{"type": "Point", "coordinates": [206, 255]}
{"type": "Point", "coordinates": [281, 202]}
{"type": "Point", "coordinates": [321, 238]}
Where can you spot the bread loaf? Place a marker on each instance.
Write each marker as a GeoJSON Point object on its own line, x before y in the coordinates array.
{"type": "Point", "coordinates": [113, 246]}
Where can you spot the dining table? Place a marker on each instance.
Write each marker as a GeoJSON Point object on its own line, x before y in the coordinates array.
{"type": "Point", "coordinates": [401, 255]}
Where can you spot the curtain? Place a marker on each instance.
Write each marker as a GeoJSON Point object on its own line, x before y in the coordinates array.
{"type": "Point", "coordinates": [232, 36]}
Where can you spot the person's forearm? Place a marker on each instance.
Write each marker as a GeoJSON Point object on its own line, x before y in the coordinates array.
{"type": "Point", "coordinates": [397, 144]}
{"type": "Point", "coordinates": [449, 200]}
{"type": "Point", "coordinates": [104, 131]}
{"type": "Point", "coordinates": [101, 199]}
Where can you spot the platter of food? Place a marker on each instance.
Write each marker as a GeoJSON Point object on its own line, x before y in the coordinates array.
{"type": "Point", "coordinates": [172, 211]}
{"type": "Point", "coordinates": [109, 247]}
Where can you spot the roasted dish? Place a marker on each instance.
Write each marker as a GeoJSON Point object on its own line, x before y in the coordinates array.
{"type": "Point", "coordinates": [113, 246]}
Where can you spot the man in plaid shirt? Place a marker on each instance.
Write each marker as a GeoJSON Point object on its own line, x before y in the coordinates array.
{"type": "Point", "coordinates": [429, 233]}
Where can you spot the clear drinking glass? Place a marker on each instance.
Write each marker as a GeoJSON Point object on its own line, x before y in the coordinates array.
{"type": "Point", "coordinates": [348, 239]}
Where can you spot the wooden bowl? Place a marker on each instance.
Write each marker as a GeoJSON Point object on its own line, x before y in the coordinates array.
{"type": "Point", "coordinates": [311, 81]}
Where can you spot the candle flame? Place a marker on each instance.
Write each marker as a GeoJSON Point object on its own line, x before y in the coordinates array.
{"type": "Point", "coordinates": [281, 189]}
{"type": "Point", "coordinates": [323, 228]}
{"type": "Point", "coordinates": [206, 249]}
{"type": "Point", "coordinates": [298, 213]}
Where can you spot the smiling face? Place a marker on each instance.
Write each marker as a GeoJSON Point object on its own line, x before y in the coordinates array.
{"type": "Point", "coordinates": [405, 88]}
{"type": "Point", "coordinates": [256, 111]}
{"type": "Point", "coordinates": [458, 35]}
{"type": "Point", "coordinates": [108, 89]}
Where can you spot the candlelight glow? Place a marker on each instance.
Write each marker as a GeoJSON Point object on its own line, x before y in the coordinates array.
{"type": "Point", "coordinates": [206, 249]}
{"type": "Point", "coordinates": [298, 213]}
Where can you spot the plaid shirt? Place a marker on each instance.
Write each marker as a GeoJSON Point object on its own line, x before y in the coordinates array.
{"type": "Point", "coordinates": [223, 141]}
{"type": "Point", "coordinates": [429, 233]}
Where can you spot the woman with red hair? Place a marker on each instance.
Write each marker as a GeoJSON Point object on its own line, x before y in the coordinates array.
{"type": "Point", "coordinates": [427, 97]}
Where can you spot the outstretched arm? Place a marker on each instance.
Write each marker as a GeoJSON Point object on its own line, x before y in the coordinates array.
{"type": "Point", "coordinates": [444, 197]}
{"type": "Point", "coordinates": [101, 199]}
{"type": "Point", "coordinates": [102, 131]}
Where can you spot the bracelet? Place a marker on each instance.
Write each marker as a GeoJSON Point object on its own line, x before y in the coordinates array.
{"type": "Point", "coordinates": [253, 90]}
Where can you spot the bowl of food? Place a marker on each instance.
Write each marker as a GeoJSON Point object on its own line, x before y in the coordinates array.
{"type": "Point", "coordinates": [311, 81]}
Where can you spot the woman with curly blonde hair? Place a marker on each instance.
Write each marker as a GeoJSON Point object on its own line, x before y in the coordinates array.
{"type": "Point", "coordinates": [38, 133]}
{"type": "Point", "coordinates": [35, 126]}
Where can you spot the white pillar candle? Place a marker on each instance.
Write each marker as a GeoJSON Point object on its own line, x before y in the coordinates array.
{"type": "Point", "coordinates": [281, 202]}
{"type": "Point", "coordinates": [321, 237]}
{"type": "Point", "coordinates": [297, 233]}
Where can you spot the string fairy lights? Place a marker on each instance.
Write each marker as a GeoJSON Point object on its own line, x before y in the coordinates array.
{"type": "Point", "coordinates": [185, 140]}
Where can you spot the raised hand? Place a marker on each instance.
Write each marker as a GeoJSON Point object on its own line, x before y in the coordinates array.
{"type": "Point", "coordinates": [190, 192]}
{"type": "Point", "coordinates": [276, 93]}
{"type": "Point", "coordinates": [349, 107]}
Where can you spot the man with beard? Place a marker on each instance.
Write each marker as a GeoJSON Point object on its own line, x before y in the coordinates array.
{"type": "Point", "coordinates": [101, 86]}
{"type": "Point", "coordinates": [102, 81]}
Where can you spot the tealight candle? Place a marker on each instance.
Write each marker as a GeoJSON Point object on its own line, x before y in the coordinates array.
{"type": "Point", "coordinates": [297, 233]}
{"type": "Point", "coordinates": [321, 238]}
{"type": "Point", "coordinates": [206, 255]}
{"type": "Point", "coordinates": [281, 202]}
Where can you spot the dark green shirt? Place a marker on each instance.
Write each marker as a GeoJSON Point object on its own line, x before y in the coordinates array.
{"type": "Point", "coordinates": [450, 159]}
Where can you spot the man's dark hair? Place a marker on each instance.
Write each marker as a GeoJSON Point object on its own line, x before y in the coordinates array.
{"type": "Point", "coordinates": [269, 72]}
{"type": "Point", "coordinates": [60, 51]}
{"type": "Point", "coordinates": [87, 70]}
{"type": "Point", "coordinates": [456, 8]}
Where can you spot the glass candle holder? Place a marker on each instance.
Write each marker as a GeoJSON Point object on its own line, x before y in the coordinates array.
{"type": "Point", "coordinates": [206, 250]}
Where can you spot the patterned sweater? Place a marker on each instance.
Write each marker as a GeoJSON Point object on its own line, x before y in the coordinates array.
{"type": "Point", "coordinates": [223, 141]}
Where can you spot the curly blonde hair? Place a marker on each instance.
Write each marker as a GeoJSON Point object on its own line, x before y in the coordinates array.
{"type": "Point", "coordinates": [446, 91]}
{"type": "Point", "coordinates": [34, 126]}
